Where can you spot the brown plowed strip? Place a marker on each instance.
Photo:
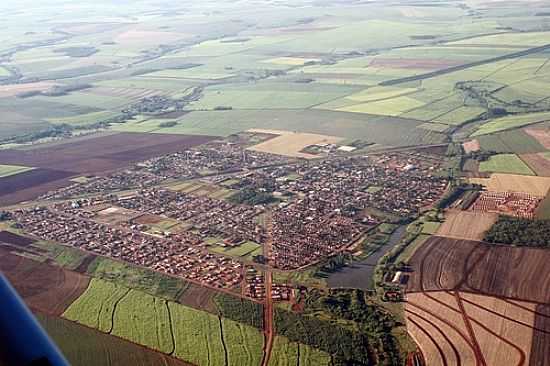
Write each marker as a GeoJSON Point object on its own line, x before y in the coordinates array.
{"type": "Point", "coordinates": [477, 349]}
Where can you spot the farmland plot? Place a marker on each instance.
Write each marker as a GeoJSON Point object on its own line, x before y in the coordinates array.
{"type": "Point", "coordinates": [95, 307]}
{"type": "Point", "coordinates": [466, 224]}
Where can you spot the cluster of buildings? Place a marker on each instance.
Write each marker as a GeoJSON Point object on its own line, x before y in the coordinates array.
{"type": "Point", "coordinates": [517, 204]}
{"type": "Point", "coordinates": [254, 284]}
{"type": "Point", "coordinates": [176, 254]}
{"type": "Point", "coordinates": [214, 158]}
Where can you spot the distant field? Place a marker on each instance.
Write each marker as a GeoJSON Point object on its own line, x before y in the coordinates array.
{"type": "Point", "coordinates": [537, 186]}
{"type": "Point", "coordinates": [381, 130]}
{"type": "Point", "coordinates": [84, 119]}
{"type": "Point", "coordinates": [505, 163]}
{"type": "Point", "coordinates": [7, 170]}
{"type": "Point", "coordinates": [290, 143]}
{"type": "Point", "coordinates": [513, 141]}
{"type": "Point", "coordinates": [509, 122]}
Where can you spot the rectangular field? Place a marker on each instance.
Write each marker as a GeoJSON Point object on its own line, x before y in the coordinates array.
{"type": "Point", "coordinates": [9, 170]}
{"type": "Point", "coordinates": [291, 144]}
{"type": "Point", "coordinates": [536, 186]}
{"type": "Point", "coordinates": [466, 225]}
{"type": "Point", "coordinates": [494, 270]}
{"type": "Point", "coordinates": [505, 163]}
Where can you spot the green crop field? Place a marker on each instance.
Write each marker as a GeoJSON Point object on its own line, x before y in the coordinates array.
{"type": "Point", "coordinates": [510, 122]}
{"type": "Point", "coordinates": [197, 336]}
{"type": "Point", "coordinates": [8, 170]}
{"type": "Point", "coordinates": [95, 307]}
{"type": "Point", "coordinates": [513, 141]}
{"type": "Point", "coordinates": [144, 319]}
{"type": "Point", "coordinates": [244, 343]}
{"type": "Point", "coordinates": [286, 353]}
{"type": "Point", "coordinates": [83, 346]}
{"type": "Point", "coordinates": [505, 163]}
{"type": "Point", "coordinates": [377, 129]}
{"type": "Point", "coordinates": [84, 119]}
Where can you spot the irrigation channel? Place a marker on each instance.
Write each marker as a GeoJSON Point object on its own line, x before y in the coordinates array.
{"type": "Point", "coordinates": [359, 274]}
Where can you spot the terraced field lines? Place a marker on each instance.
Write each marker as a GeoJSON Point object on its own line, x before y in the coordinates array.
{"type": "Point", "coordinates": [95, 308]}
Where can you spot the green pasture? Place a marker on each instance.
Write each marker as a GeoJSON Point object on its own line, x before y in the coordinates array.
{"type": "Point", "coordinates": [505, 163]}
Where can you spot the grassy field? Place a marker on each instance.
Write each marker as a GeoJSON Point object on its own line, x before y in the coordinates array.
{"type": "Point", "coordinates": [505, 163]}
{"type": "Point", "coordinates": [242, 250]}
{"type": "Point", "coordinates": [95, 307]}
{"type": "Point", "coordinates": [66, 257]}
{"type": "Point", "coordinates": [7, 170]}
{"type": "Point", "coordinates": [137, 278]}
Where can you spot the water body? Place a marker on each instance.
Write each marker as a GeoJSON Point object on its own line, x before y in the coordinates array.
{"type": "Point", "coordinates": [360, 274]}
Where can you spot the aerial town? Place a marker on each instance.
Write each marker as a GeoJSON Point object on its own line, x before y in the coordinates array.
{"type": "Point", "coordinates": [298, 212]}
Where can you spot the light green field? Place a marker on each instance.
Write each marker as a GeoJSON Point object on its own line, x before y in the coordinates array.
{"type": "Point", "coordinates": [144, 319]}
{"type": "Point", "coordinates": [430, 227]}
{"type": "Point", "coordinates": [94, 308]}
{"type": "Point", "coordinates": [244, 343]}
{"type": "Point", "coordinates": [191, 73]}
{"type": "Point", "coordinates": [380, 93]}
{"type": "Point", "coordinates": [4, 72]}
{"type": "Point", "coordinates": [270, 96]}
{"type": "Point", "coordinates": [239, 251]}
{"type": "Point", "coordinates": [291, 61]}
{"type": "Point", "coordinates": [197, 335]}
{"type": "Point", "coordinates": [377, 129]}
{"type": "Point", "coordinates": [526, 40]}
{"type": "Point", "coordinates": [505, 163]}
{"type": "Point", "coordinates": [510, 122]}
{"type": "Point", "coordinates": [86, 100]}
{"type": "Point", "coordinates": [460, 115]}
{"type": "Point", "coordinates": [141, 82]}
{"type": "Point", "coordinates": [286, 353]}
{"type": "Point", "coordinates": [7, 170]}
{"type": "Point", "coordinates": [388, 107]}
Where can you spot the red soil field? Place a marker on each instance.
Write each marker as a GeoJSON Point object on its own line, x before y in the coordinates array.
{"type": "Point", "coordinates": [200, 298]}
{"type": "Point", "coordinates": [103, 153]}
{"type": "Point", "coordinates": [11, 238]}
{"type": "Point", "coordinates": [413, 63]}
{"type": "Point", "coordinates": [44, 287]}
{"type": "Point", "coordinates": [538, 163]}
{"type": "Point", "coordinates": [30, 184]}
{"type": "Point", "coordinates": [496, 270]}
{"type": "Point", "coordinates": [95, 155]}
